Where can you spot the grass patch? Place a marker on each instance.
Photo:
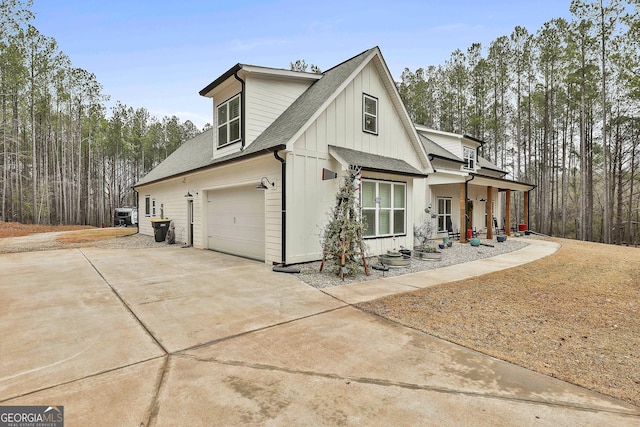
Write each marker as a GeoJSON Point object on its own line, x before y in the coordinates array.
{"type": "Point", "coordinates": [573, 315]}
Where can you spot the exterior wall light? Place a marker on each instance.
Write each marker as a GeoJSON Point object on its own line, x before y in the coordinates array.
{"type": "Point", "coordinates": [263, 185]}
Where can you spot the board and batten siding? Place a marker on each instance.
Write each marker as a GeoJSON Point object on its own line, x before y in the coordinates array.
{"type": "Point", "coordinates": [310, 200]}
{"type": "Point", "coordinates": [340, 124]}
{"type": "Point", "coordinates": [266, 99]}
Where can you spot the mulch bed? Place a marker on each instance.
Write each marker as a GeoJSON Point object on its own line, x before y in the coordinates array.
{"type": "Point", "coordinates": [573, 315]}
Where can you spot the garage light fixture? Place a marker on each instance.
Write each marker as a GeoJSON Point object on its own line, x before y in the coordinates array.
{"type": "Point", "coordinates": [189, 193]}
{"type": "Point", "coordinates": [263, 186]}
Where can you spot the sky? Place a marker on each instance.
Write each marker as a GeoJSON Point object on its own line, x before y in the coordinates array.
{"type": "Point", "coordinates": [159, 54]}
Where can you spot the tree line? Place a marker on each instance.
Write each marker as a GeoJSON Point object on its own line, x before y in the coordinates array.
{"type": "Point", "coordinates": [64, 159]}
{"type": "Point", "coordinates": [558, 108]}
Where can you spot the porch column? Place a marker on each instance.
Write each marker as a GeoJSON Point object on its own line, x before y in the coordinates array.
{"type": "Point", "coordinates": [507, 220]}
{"type": "Point", "coordinates": [489, 213]}
{"type": "Point", "coordinates": [463, 211]}
{"type": "Point", "coordinates": [526, 209]}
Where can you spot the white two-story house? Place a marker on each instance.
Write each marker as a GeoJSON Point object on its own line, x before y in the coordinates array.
{"type": "Point", "coordinates": [253, 184]}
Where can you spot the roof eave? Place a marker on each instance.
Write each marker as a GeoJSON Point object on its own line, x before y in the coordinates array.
{"type": "Point", "coordinates": [230, 72]}
{"type": "Point", "coordinates": [473, 138]}
{"type": "Point", "coordinates": [436, 156]}
{"type": "Point", "coordinates": [215, 165]}
{"type": "Point", "coordinates": [402, 173]}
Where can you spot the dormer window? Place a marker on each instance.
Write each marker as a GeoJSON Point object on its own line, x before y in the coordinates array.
{"type": "Point", "coordinates": [229, 121]}
{"type": "Point", "coordinates": [469, 157]}
{"type": "Point", "coordinates": [370, 114]}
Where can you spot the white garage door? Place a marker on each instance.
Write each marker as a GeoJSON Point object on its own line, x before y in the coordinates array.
{"type": "Point", "coordinates": [236, 221]}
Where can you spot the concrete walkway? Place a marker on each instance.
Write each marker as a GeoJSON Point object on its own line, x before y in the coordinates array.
{"type": "Point", "coordinates": [193, 337]}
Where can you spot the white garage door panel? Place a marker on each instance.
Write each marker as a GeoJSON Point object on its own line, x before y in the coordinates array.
{"type": "Point", "coordinates": [236, 221]}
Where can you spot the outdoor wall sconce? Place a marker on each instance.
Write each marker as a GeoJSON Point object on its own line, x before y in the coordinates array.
{"type": "Point", "coordinates": [189, 194]}
{"type": "Point", "coordinates": [263, 186]}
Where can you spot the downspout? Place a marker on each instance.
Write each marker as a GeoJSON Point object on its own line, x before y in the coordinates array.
{"type": "Point", "coordinates": [243, 125]}
{"type": "Point", "coordinates": [529, 210]}
{"type": "Point", "coordinates": [284, 207]}
{"type": "Point", "coordinates": [137, 210]}
{"type": "Point", "coordinates": [430, 161]}
{"type": "Point", "coordinates": [466, 197]}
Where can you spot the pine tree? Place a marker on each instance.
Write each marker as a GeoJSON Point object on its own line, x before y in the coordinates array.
{"type": "Point", "coordinates": [342, 241]}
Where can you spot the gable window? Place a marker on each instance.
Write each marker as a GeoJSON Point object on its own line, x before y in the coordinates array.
{"type": "Point", "coordinates": [444, 214]}
{"type": "Point", "coordinates": [370, 114]}
{"type": "Point", "coordinates": [147, 205]}
{"type": "Point", "coordinates": [229, 121]}
{"type": "Point", "coordinates": [384, 207]}
{"type": "Point", "coordinates": [469, 157]}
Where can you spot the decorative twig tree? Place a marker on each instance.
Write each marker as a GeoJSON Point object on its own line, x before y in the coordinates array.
{"type": "Point", "coordinates": [341, 239]}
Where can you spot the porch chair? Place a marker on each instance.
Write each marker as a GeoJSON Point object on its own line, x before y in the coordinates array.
{"type": "Point", "coordinates": [495, 225]}
{"type": "Point", "coordinates": [452, 235]}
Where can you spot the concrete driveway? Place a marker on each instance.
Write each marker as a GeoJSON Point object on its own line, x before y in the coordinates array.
{"type": "Point", "coordinates": [174, 337]}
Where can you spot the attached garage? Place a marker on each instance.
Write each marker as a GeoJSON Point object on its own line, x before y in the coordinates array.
{"type": "Point", "coordinates": [235, 221]}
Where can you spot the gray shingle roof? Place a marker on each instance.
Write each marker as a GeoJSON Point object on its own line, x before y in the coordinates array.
{"type": "Point", "coordinates": [375, 162]}
{"type": "Point", "coordinates": [196, 154]}
{"type": "Point", "coordinates": [307, 104]}
{"type": "Point", "coordinates": [436, 150]}
{"type": "Point", "coordinates": [432, 148]}
{"type": "Point", "coordinates": [193, 154]}
{"type": "Point", "coordinates": [486, 164]}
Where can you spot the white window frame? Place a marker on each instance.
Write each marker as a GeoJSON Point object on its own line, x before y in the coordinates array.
{"type": "Point", "coordinates": [153, 207]}
{"type": "Point", "coordinates": [147, 205]}
{"type": "Point", "coordinates": [469, 157]}
{"type": "Point", "coordinates": [368, 115]}
{"type": "Point", "coordinates": [442, 216]}
{"type": "Point", "coordinates": [229, 121]}
{"type": "Point", "coordinates": [392, 209]}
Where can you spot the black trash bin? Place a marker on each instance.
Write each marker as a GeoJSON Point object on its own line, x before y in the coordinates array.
{"type": "Point", "coordinates": [160, 228]}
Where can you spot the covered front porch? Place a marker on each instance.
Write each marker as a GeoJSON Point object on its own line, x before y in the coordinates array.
{"type": "Point", "coordinates": [475, 205]}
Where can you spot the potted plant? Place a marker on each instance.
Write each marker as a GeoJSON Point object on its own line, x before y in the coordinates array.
{"type": "Point", "coordinates": [424, 241]}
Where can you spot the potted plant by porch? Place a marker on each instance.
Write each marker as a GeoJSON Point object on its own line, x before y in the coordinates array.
{"type": "Point", "coordinates": [424, 248]}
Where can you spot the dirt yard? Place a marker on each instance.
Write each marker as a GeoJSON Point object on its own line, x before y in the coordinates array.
{"type": "Point", "coordinates": [573, 315]}
{"type": "Point", "coordinates": [15, 229]}
{"type": "Point", "coordinates": [15, 237]}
